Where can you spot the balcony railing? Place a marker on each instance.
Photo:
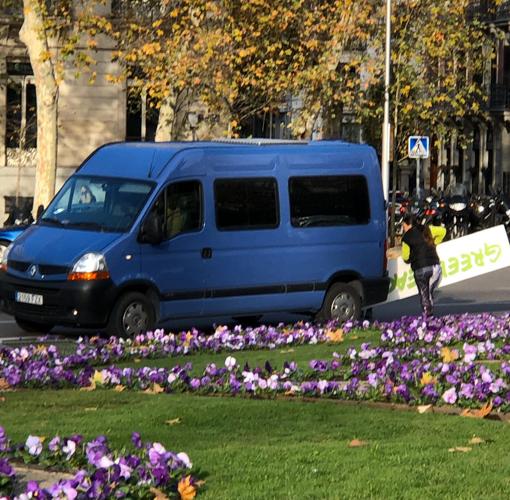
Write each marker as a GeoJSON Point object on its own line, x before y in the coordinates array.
{"type": "Point", "coordinates": [499, 98]}
{"type": "Point", "coordinates": [486, 11]}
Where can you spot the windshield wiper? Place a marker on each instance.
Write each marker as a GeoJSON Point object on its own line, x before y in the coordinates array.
{"type": "Point", "coordinates": [88, 225]}
{"type": "Point", "coordinates": [52, 220]}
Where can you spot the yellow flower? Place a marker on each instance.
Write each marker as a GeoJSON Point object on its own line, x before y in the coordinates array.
{"type": "Point", "coordinates": [449, 355]}
{"type": "Point", "coordinates": [186, 489]}
{"type": "Point", "coordinates": [427, 378]}
{"type": "Point", "coordinates": [97, 378]}
{"type": "Point", "coordinates": [335, 335]}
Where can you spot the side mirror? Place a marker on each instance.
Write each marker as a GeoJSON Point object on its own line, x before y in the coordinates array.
{"type": "Point", "coordinates": [151, 230]}
{"type": "Point", "coordinates": [40, 211]}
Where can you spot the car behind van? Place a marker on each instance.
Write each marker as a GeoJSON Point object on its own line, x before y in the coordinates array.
{"type": "Point", "coordinates": [144, 233]}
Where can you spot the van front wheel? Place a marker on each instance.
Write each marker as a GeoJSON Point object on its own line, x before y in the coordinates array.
{"type": "Point", "coordinates": [342, 303]}
{"type": "Point", "coordinates": [132, 315]}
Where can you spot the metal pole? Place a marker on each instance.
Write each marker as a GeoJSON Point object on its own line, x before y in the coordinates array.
{"type": "Point", "coordinates": [417, 178]}
{"type": "Point", "coordinates": [385, 160]}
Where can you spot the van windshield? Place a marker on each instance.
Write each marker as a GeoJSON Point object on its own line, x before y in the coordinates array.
{"type": "Point", "coordinates": [97, 204]}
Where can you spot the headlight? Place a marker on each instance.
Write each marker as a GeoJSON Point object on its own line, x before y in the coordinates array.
{"type": "Point", "coordinates": [4, 255]}
{"type": "Point", "coordinates": [481, 208]}
{"type": "Point", "coordinates": [92, 266]}
{"type": "Point", "coordinates": [458, 207]}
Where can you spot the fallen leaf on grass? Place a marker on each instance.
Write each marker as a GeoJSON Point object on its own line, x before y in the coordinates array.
{"type": "Point", "coordinates": [483, 412]}
{"type": "Point", "coordinates": [119, 388]}
{"type": "Point", "coordinates": [4, 385]}
{"type": "Point", "coordinates": [91, 408]}
{"type": "Point", "coordinates": [155, 389]}
{"type": "Point", "coordinates": [2, 399]}
{"type": "Point", "coordinates": [174, 421]}
{"type": "Point", "coordinates": [137, 360]}
{"type": "Point", "coordinates": [287, 351]}
{"type": "Point", "coordinates": [424, 408]}
{"type": "Point", "coordinates": [477, 440]}
{"type": "Point", "coordinates": [158, 494]}
{"type": "Point", "coordinates": [335, 335]}
{"type": "Point", "coordinates": [186, 489]}
{"type": "Point", "coordinates": [460, 449]}
{"type": "Point", "coordinates": [89, 388]}
{"type": "Point", "coordinates": [356, 443]}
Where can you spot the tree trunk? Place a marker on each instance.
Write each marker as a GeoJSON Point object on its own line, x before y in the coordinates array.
{"type": "Point", "coordinates": [34, 36]}
{"type": "Point", "coordinates": [166, 120]}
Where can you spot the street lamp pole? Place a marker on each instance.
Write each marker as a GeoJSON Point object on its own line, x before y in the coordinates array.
{"type": "Point", "coordinates": [385, 160]}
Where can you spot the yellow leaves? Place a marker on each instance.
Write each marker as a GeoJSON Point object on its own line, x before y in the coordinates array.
{"type": "Point", "coordinates": [405, 90]}
{"type": "Point", "coordinates": [483, 412]}
{"type": "Point", "coordinates": [173, 421]}
{"type": "Point", "coordinates": [427, 378]}
{"type": "Point", "coordinates": [4, 385]}
{"type": "Point", "coordinates": [477, 440]}
{"type": "Point", "coordinates": [424, 409]}
{"type": "Point", "coordinates": [186, 490]}
{"type": "Point", "coordinates": [92, 44]}
{"type": "Point", "coordinates": [356, 443]}
{"type": "Point", "coordinates": [335, 336]}
{"type": "Point", "coordinates": [119, 388]}
{"type": "Point", "coordinates": [460, 449]}
{"type": "Point", "coordinates": [158, 494]}
{"type": "Point", "coordinates": [45, 56]}
{"type": "Point", "coordinates": [89, 388]}
{"type": "Point", "coordinates": [150, 49]}
{"type": "Point", "coordinates": [155, 389]}
{"type": "Point", "coordinates": [158, 23]}
{"type": "Point", "coordinates": [449, 355]}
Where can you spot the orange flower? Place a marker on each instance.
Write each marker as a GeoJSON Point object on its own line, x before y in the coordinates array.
{"type": "Point", "coordinates": [335, 335]}
{"type": "Point", "coordinates": [186, 489]}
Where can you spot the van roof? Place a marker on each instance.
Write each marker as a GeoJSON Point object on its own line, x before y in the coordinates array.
{"type": "Point", "coordinates": [146, 160]}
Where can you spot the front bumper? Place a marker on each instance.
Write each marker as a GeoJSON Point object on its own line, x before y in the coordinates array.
{"type": "Point", "coordinates": [77, 303]}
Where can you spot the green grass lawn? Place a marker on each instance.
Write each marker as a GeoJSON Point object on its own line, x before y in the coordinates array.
{"type": "Point", "coordinates": [301, 354]}
{"type": "Point", "coordinates": [249, 449]}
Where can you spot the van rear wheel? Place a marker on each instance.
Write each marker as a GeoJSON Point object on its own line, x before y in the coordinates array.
{"type": "Point", "coordinates": [342, 303]}
{"type": "Point", "coordinates": [33, 326]}
{"type": "Point", "coordinates": [133, 314]}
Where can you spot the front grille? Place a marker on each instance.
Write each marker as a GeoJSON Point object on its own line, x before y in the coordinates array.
{"type": "Point", "coordinates": [47, 269]}
{"type": "Point", "coordinates": [18, 265]}
{"type": "Point", "coordinates": [44, 269]}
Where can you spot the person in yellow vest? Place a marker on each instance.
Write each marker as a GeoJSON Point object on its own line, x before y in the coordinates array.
{"type": "Point", "coordinates": [437, 230]}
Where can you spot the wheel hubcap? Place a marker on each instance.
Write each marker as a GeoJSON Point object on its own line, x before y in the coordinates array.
{"type": "Point", "coordinates": [135, 319]}
{"type": "Point", "coordinates": [343, 307]}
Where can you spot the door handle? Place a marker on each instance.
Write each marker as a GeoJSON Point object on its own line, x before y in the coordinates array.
{"type": "Point", "coordinates": [206, 253]}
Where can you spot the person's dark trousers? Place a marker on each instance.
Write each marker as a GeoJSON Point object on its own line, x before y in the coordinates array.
{"type": "Point", "coordinates": [422, 277]}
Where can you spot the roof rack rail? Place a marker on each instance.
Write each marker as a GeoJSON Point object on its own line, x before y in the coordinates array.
{"type": "Point", "coordinates": [262, 141]}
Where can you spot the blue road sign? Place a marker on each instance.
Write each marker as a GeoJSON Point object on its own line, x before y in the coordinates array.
{"type": "Point", "coordinates": [418, 146]}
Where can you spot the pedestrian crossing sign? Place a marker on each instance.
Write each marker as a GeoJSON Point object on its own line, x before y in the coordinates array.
{"type": "Point", "coordinates": [418, 146]}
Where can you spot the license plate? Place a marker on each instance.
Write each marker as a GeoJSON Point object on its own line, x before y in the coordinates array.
{"type": "Point", "coordinates": [29, 298]}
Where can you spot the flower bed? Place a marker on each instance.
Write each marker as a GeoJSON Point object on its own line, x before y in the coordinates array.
{"type": "Point", "coordinates": [439, 361]}
{"type": "Point", "coordinates": [149, 470]}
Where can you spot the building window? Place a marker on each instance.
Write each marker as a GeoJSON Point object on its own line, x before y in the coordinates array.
{"type": "Point", "coordinates": [329, 201]}
{"type": "Point", "coordinates": [141, 116]}
{"type": "Point", "coordinates": [246, 204]}
{"type": "Point", "coordinates": [21, 106]}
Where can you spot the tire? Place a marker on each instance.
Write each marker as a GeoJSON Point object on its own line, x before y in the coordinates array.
{"type": "Point", "coordinates": [342, 303]}
{"type": "Point", "coordinates": [33, 326]}
{"type": "Point", "coordinates": [132, 315]}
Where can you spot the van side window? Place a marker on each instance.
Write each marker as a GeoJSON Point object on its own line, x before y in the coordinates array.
{"type": "Point", "coordinates": [246, 204]}
{"type": "Point", "coordinates": [180, 208]}
{"type": "Point", "coordinates": [340, 200]}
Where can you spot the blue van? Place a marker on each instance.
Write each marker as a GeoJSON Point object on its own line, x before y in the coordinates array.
{"type": "Point", "coordinates": [144, 233]}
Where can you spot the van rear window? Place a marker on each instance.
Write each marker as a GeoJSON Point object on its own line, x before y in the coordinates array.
{"type": "Point", "coordinates": [340, 200]}
{"type": "Point", "coordinates": [246, 203]}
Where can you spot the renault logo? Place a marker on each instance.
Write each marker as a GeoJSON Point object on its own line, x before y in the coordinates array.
{"type": "Point", "coordinates": [32, 270]}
